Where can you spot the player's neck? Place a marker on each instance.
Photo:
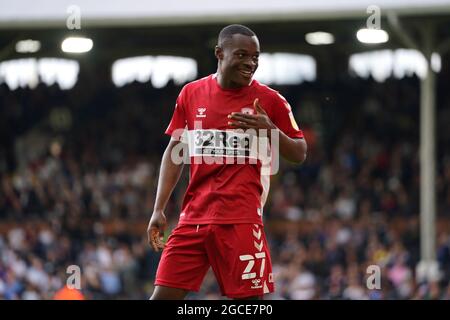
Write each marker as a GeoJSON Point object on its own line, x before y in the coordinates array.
{"type": "Point", "coordinates": [226, 83]}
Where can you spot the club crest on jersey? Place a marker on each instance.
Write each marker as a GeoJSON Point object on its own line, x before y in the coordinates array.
{"type": "Point", "coordinates": [201, 112]}
{"type": "Point", "coordinates": [248, 110]}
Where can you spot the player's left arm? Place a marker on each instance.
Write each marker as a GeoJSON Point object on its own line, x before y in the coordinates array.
{"type": "Point", "coordinates": [292, 149]}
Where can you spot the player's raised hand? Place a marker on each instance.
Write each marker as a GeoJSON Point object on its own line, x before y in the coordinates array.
{"type": "Point", "coordinates": [257, 121]}
{"type": "Point", "coordinates": [258, 108]}
{"type": "Point", "coordinates": [155, 230]}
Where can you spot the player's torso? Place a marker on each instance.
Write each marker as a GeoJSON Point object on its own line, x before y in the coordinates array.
{"type": "Point", "coordinates": [208, 107]}
{"type": "Point", "coordinates": [225, 174]}
{"type": "Point", "coordinates": [207, 111]}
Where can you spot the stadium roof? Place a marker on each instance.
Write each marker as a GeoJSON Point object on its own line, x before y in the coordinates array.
{"type": "Point", "coordinates": [46, 13]}
{"type": "Point", "coordinates": [139, 29]}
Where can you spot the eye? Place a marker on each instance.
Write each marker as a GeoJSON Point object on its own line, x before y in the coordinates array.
{"type": "Point", "coordinates": [240, 55]}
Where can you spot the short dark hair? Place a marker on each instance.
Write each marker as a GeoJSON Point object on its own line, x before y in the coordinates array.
{"type": "Point", "coordinates": [232, 29]}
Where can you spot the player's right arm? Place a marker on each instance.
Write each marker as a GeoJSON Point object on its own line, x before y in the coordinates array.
{"type": "Point", "coordinates": [169, 175]}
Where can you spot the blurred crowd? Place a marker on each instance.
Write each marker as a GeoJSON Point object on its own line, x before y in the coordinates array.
{"type": "Point", "coordinates": [85, 198]}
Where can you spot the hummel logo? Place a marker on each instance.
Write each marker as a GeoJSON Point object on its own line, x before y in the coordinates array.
{"type": "Point", "coordinates": [201, 112]}
{"type": "Point", "coordinates": [256, 284]}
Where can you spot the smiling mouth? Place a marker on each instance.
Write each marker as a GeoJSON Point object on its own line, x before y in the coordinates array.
{"type": "Point", "coordinates": [246, 74]}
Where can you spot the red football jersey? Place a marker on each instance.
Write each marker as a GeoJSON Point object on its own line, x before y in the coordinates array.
{"type": "Point", "coordinates": [224, 193]}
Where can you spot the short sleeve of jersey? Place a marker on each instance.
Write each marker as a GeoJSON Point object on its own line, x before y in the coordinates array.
{"type": "Point", "coordinates": [178, 122]}
{"type": "Point", "coordinates": [283, 117]}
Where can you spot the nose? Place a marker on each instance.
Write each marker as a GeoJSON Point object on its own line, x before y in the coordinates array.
{"type": "Point", "coordinates": [250, 63]}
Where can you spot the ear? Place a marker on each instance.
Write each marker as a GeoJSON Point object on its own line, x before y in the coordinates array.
{"type": "Point", "coordinates": [218, 52]}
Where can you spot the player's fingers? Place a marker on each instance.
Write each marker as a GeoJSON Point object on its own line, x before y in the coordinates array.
{"type": "Point", "coordinates": [159, 243]}
{"type": "Point", "coordinates": [258, 107]}
{"type": "Point", "coordinates": [153, 245]}
{"type": "Point", "coordinates": [154, 231]}
{"type": "Point", "coordinates": [243, 118]}
{"type": "Point", "coordinates": [158, 237]}
{"type": "Point", "coordinates": [241, 125]}
{"type": "Point", "coordinates": [154, 238]}
{"type": "Point", "coordinates": [149, 236]}
{"type": "Point", "coordinates": [242, 115]}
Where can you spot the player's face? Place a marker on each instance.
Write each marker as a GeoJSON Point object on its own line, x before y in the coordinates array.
{"type": "Point", "coordinates": [239, 60]}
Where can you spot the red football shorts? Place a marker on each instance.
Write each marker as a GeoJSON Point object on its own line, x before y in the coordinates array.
{"type": "Point", "coordinates": [237, 253]}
